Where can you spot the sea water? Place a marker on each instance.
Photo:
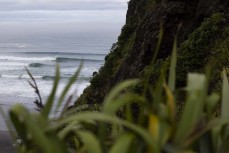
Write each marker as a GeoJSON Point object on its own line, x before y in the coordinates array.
{"type": "Point", "coordinates": [40, 54]}
{"type": "Point", "coordinates": [39, 40]}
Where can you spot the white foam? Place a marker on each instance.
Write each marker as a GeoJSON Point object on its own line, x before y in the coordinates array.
{"type": "Point", "coordinates": [7, 63]}
{"type": "Point", "coordinates": [15, 87]}
{"type": "Point", "coordinates": [85, 71]}
{"type": "Point", "coordinates": [24, 76]}
{"type": "Point", "coordinates": [13, 45]}
{"type": "Point", "coordinates": [81, 88]}
{"type": "Point", "coordinates": [77, 88]}
{"type": "Point", "coordinates": [9, 76]}
{"type": "Point", "coordinates": [89, 70]}
{"type": "Point", "coordinates": [10, 68]}
{"type": "Point", "coordinates": [28, 77]}
{"type": "Point", "coordinates": [21, 45]}
{"type": "Point", "coordinates": [15, 58]}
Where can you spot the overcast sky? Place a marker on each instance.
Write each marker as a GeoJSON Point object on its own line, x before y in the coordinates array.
{"type": "Point", "coordinates": [61, 15]}
{"type": "Point", "coordinates": [62, 4]}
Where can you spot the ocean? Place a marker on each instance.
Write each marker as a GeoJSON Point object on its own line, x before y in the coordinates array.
{"type": "Point", "coordinates": [39, 40]}
{"type": "Point", "coordinates": [40, 54]}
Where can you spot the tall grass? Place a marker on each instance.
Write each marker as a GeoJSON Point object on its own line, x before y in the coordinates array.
{"type": "Point", "coordinates": [119, 127]}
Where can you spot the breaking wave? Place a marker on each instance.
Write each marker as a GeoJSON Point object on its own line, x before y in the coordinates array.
{"type": "Point", "coordinates": [65, 59]}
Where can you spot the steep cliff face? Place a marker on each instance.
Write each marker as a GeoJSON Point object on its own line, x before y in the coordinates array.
{"type": "Point", "coordinates": [201, 27]}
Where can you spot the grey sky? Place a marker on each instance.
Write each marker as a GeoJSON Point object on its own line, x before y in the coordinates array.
{"type": "Point", "coordinates": [9, 5]}
{"type": "Point", "coordinates": [18, 16]}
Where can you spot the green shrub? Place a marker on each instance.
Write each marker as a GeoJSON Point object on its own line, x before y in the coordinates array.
{"type": "Point", "coordinates": [196, 51]}
{"type": "Point", "coordinates": [155, 129]}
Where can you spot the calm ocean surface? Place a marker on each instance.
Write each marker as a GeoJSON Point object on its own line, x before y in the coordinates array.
{"type": "Point", "coordinates": [40, 54]}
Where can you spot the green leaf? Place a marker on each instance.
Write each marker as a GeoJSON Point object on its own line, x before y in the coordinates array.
{"type": "Point", "coordinates": [116, 131]}
{"type": "Point", "coordinates": [8, 124]}
{"type": "Point", "coordinates": [188, 151]}
{"type": "Point", "coordinates": [225, 96]}
{"type": "Point", "coordinates": [224, 146]}
{"type": "Point", "coordinates": [123, 144]}
{"type": "Point", "coordinates": [194, 105]}
{"type": "Point", "coordinates": [160, 37]}
{"type": "Point", "coordinates": [116, 91]}
{"type": "Point", "coordinates": [90, 142]}
{"type": "Point", "coordinates": [48, 106]}
{"type": "Point", "coordinates": [196, 83]}
{"type": "Point", "coordinates": [18, 125]}
{"type": "Point", "coordinates": [71, 81]}
{"type": "Point", "coordinates": [172, 69]}
{"type": "Point", "coordinates": [154, 126]}
{"type": "Point", "coordinates": [25, 125]}
{"type": "Point", "coordinates": [216, 138]}
{"type": "Point", "coordinates": [109, 104]}
{"type": "Point", "coordinates": [128, 98]}
{"type": "Point", "coordinates": [31, 128]}
{"type": "Point", "coordinates": [211, 104]}
{"type": "Point", "coordinates": [205, 144]}
{"type": "Point", "coordinates": [158, 92]}
{"type": "Point", "coordinates": [69, 128]}
{"type": "Point", "coordinates": [199, 130]}
{"type": "Point", "coordinates": [112, 120]}
{"type": "Point", "coordinates": [129, 113]}
{"type": "Point", "coordinates": [170, 105]}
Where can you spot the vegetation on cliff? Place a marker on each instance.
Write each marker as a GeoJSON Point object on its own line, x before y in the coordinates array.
{"type": "Point", "coordinates": [201, 28]}
{"type": "Point", "coordinates": [208, 44]}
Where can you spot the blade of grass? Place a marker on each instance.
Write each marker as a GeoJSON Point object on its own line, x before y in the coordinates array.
{"type": "Point", "coordinates": [24, 121]}
{"type": "Point", "coordinates": [71, 81]}
{"type": "Point", "coordinates": [112, 120]}
{"type": "Point", "coordinates": [212, 126]}
{"type": "Point", "coordinates": [225, 96]}
{"type": "Point", "coordinates": [66, 105]}
{"type": "Point", "coordinates": [116, 91]}
{"type": "Point", "coordinates": [172, 69]}
{"type": "Point", "coordinates": [193, 107]}
{"type": "Point", "coordinates": [48, 106]}
{"type": "Point", "coordinates": [129, 113]}
{"type": "Point", "coordinates": [69, 128]}
{"type": "Point", "coordinates": [90, 142]}
{"type": "Point", "coordinates": [123, 144]}
{"type": "Point", "coordinates": [154, 126]}
{"type": "Point", "coordinates": [109, 100]}
{"type": "Point", "coordinates": [171, 105]}
{"type": "Point", "coordinates": [9, 125]}
{"type": "Point", "coordinates": [160, 37]}
{"type": "Point", "coordinates": [157, 93]}
{"type": "Point", "coordinates": [123, 100]}
{"type": "Point", "coordinates": [212, 102]}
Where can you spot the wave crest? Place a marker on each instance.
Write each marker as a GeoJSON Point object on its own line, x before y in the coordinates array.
{"type": "Point", "coordinates": [36, 65]}
{"type": "Point", "coordinates": [17, 58]}
{"type": "Point", "coordinates": [66, 59]}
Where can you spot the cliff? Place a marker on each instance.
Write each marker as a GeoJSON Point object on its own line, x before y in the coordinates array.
{"type": "Point", "coordinates": [202, 31]}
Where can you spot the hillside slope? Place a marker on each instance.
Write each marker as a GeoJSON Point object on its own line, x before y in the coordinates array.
{"type": "Point", "coordinates": [202, 30]}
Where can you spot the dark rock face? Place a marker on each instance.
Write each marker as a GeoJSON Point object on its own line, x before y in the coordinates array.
{"type": "Point", "coordinates": [137, 43]}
